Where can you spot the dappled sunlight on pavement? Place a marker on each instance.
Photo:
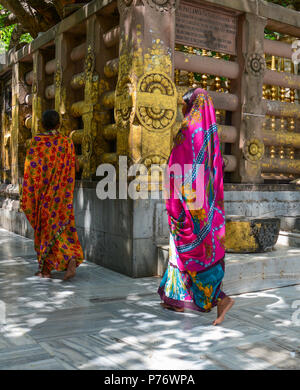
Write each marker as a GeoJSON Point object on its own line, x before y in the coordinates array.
{"type": "Point", "coordinates": [104, 320]}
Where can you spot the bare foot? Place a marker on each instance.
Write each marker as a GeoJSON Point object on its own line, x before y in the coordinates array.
{"type": "Point", "coordinates": [43, 275]}
{"type": "Point", "coordinates": [223, 307]}
{"type": "Point", "coordinates": [174, 308]}
{"type": "Point", "coordinates": [46, 276]}
{"type": "Point", "coordinates": [71, 271]}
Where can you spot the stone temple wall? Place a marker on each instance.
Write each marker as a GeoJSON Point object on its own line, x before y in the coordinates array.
{"type": "Point", "coordinates": [125, 235]}
{"type": "Point", "coordinates": [116, 72]}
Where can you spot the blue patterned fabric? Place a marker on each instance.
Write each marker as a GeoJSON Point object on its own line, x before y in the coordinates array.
{"type": "Point", "coordinates": [194, 290]}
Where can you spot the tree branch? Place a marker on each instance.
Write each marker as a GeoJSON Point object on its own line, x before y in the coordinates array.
{"type": "Point", "coordinates": [16, 35]}
{"type": "Point", "coordinates": [20, 10]}
{"type": "Point", "coordinates": [35, 16]}
{"type": "Point", "coordinates": [44, 13]}
{"type": "Point", "coordinates": [10, 19]}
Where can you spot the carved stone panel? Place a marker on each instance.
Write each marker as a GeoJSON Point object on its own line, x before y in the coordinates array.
{"type": "Point", "coordinates": [156, 101]}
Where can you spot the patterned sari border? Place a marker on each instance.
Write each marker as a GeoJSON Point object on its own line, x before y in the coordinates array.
{"type": "Point", "coordinates": [187, 280]}
{"type": "Point", "coordinates": [186, 304]}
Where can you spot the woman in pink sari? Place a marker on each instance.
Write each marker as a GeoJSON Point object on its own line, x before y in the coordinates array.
{"type": "Point", "coordinates": [197, 241]}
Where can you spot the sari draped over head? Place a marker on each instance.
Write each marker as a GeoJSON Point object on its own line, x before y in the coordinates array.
{"type": "Point", "coordinates": [47, 200]}
{"type": "Point", "coordinates": [197, 239]}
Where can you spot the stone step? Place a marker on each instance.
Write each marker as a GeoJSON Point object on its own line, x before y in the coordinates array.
{"type": "Point", "coordinates": [252, 272]}
{"type": "Point", "coordinates": [162, 259]}
{"type": "Point", "coordinates": [290, 224]}
{"type": "Point", "coordinates": [290, 239]}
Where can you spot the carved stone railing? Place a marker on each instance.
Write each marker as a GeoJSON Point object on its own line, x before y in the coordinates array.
{"type": "Point", "coordinates": [265, 87]}
{"type": "Point", "coordinates": [280, 129]}
{"type": "Point", "coordinates": [63, 69]}
{"type": "Point", "coordinates": [116, 72]}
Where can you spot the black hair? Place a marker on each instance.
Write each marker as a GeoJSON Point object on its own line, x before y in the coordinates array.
{"type": "Point", "coordinates": [50, 119]}
{"type": "Point", "coordinates": [187, 96]}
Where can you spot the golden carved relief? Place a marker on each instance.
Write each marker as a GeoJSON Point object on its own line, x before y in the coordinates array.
{"type": "Point", "coordinates": [124, 101]}
{"type": "Point", "coordinates": [148, 161]}
{"type": "Point", "coordinates": [58, 75]}
{"type": "Point", "coordinates": [255, 64]}
{"type": "Point", "coordinates": [89, 62]}
{"type": "Point", "coordinates": [157, 58]}
{"type": "Point", "coordinates": [87, 143]}
{"type": "Point", "coordinates": [91, 96]}
{"type": "Point", "coordinates": [156, 101]}
{"type": "Point", "coordinates": [254, 149]}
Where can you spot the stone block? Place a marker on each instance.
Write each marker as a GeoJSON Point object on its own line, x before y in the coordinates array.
{"type": "Point", "coordinates": [15, 222]}
{"type": "Point", "coordinates": [127, 236]}
{"type": "Point", "coordinates": [163, 259]}
{"type": "Point", "coordinates": [289, 239]}
{"type": "Point", "coordinates": [256, 272]}
{"type": "Point", "coordinates": [246, 234]}
{"type": "Point", "coordinates": [144, 259]}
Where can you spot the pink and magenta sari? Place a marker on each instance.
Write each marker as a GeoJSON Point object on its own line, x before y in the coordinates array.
{"type": "Point", "coordinates": [197, 234]}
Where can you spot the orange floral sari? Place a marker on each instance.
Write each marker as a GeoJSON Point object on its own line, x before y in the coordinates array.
{"type": "Point", "coordinates": [47, 200]}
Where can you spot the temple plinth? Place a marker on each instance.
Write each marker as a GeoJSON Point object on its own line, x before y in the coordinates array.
{"type": "Point", "coordinates": [116, 72]}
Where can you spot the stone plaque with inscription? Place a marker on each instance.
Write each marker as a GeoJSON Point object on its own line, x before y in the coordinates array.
{"type": "Point", "coordinates": [206, 28]}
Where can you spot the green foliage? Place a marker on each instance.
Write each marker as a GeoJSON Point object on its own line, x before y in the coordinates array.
{"type": "Point", "coordinates": [26, 38]}
{"type": "Point", "coordinates": [283, 3]}
{"type": "Point", "coordinates": [272, 35]}
{"type": "Point", "coordinates": [6, 31]}
{"type": "Point", "coordinates": [5, 36]}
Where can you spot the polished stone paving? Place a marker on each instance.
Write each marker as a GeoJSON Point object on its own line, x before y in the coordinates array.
{"type": "Point", "coordinates": [104, 320]}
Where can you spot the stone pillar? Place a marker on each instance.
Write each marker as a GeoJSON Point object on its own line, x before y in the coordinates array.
{"type": "Point", "coordinates": [19, 111]}
{"type": "Point", "coordinates": [90, 99]}
{"type": "Point", "coordinates": [145, 108]}
{"type": "Point", "coordinates": [236, 89]}
{"type": "Point", "coordinates": [38, 91]}
{"type": "Point", "coordinates": [101, 144]}
{"type": "Point", "coordinates": [252, 115]}
{"type": "Point", "coordinates": [146, 97]}
{"type": "Point", "coordinates": [5, 136]}
{"type": "Point", "coordinates": [93, 143]}
{"type": "Point", "coordinates": [65, 70]}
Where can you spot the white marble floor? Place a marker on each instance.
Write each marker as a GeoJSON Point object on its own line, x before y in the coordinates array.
{"type": "Point", "coordinates": [104, 320]}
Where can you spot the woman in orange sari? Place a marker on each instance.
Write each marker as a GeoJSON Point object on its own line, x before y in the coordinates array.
{"type": "Point", "coordinates": [47, 199]}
